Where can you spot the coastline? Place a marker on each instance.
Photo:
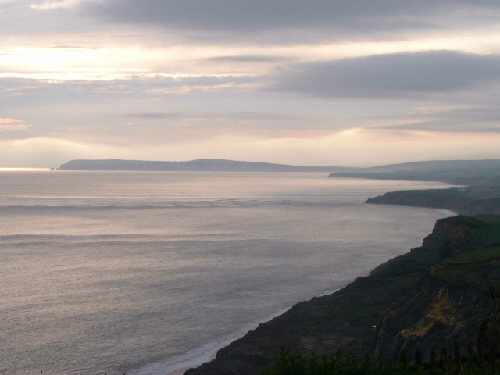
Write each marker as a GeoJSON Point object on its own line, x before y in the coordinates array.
{"type": "Point", "coordinates": [208, 367]}
{"type": "Point", "coordinates": [200, 356]}
{"type": "Point", "coordinates": [196, 357]}
{"type": "Point", "coordinates": [388, 316]}
{"type": "Point", "coordinates": [180, 364]}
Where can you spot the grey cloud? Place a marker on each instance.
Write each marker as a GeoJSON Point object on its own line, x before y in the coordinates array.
{"type": "Point", "coordinates": [155, 115]}
{"type": "Point", "coordinates": [12, 90]}
{"type": "Point", "coordinates": [68, 46]}
{"type": "Point", "coordinates": [469, 119]}
{"type": "Point", "coordinates": [18, 19]}
{"type": "Point", "coordinates": [249, 59]}
{"type": "Point", "coordinates": [216, 116]}
{"type": "Point", "coordinates": [275, 121]}
{"type": "Point", "coordinates": [330, 17]}
{"type": "Point", "coordinates": [390, 76]}
{"type": "Point", "coordinates": [439, 126]}
{"type": "Point", "coordinates": [8, 124]}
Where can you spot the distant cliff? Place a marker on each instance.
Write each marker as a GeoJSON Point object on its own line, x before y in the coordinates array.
{"type": "Point", "coordinates": [193, 165]}
{"type": "Point", "coordinates": [441, 300]}
{"type": "Point", "coordinates": [480, 193]}
{"type": "Point", "coordinates": [462, 172]}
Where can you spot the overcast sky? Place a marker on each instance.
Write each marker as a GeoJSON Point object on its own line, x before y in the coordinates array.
{"type": "Point", "coordinates": [347, 82]}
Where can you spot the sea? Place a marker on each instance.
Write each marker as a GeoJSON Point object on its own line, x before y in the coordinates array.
{"type": "Point", "coordinates": [150, 273]}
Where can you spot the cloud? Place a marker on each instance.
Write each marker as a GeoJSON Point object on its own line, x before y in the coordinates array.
{"type": "Point", "coordinates": [390, 76]}
{"type": "Point", "coordinates": [54, 4]}
{"type": "Point", "coordinates": [325, 19]}
{"type": "Point", "coordinates": [483, 119]}
{"type": "Point", "coordinates": [12, 125]}
{"type": "Point", "coordinates": [231, 116]}
{"type": "Point", "coordinates": [48, 151]}
{"type": "Point", "coordinates": [44, 90]}
{"type": "Point", "coordinates": [243, 58]}
{"type": "Point", "coordinates": [6, 4]}
{"type": "Point", "coordinates": [196, 124]}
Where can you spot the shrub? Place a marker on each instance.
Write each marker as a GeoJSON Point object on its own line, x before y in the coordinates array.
{"type": "Point", "coordinates": [301, 364]}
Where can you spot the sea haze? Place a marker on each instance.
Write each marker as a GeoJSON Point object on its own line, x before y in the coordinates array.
{"type": "Point", "coordinates": [150, 272]}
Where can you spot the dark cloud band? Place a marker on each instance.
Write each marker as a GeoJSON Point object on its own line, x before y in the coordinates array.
{"type": "Point", "coordinates": [323, 18]}
{"type": "Point", "coordinates": [394, 75]}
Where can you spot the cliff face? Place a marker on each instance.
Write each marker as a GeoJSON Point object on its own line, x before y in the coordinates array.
{"type": "Point", "coordinates": [454, 311]}
{"type": "Point", "coordinates": [439, 300]}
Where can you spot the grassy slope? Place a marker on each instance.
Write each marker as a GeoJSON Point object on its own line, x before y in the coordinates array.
{"type": "Point", "coordinates": [467, 262]}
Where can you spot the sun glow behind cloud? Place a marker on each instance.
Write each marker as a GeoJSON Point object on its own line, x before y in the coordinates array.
{"type": "Point", "coordinates": [67, 60]}
{"type": "Point", "coordinates": [12, 125]}
{"type": "Point", "coordinates": [24, 169]}
{"type": "Point", "coordinates": [74, 63]}
{"type": "Point", "coordinates": [107, 62]}
{"type": "Point", "coordinates": [55, 4]}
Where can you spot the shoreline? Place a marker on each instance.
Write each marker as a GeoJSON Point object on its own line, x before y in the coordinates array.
{"type": "Point", "coordinates": [196, 357]}
{"type": "Point", "coordinates": [178, 365]}
{"type": "Point", "coordinates": [375, 316]}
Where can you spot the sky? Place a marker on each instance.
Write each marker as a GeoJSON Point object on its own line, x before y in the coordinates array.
{"type": "Point", "coordinates": [324, 82]}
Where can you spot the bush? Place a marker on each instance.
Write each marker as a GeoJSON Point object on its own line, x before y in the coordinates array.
{"type": "Point", "coordinates": [300, 364]}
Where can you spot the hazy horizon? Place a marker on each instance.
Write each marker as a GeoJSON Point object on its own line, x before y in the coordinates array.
{"type": "Point", "coordinates": [294, 82]}
{"type": "Point", "coordinates": [363, 165]}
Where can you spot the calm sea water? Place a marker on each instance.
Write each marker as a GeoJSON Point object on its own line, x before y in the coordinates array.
{"type": "Point", "coordinates": [151, 272]}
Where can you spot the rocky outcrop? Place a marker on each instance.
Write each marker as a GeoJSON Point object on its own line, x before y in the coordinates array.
{"type": "Point", "coordinates": [468, 201]}
{"type": "Point", "coordinates": [438, 301]}
{"type": "Point", "coordinates": [453, 199]}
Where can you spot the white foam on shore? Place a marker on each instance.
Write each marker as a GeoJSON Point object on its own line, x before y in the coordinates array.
{"type": "Point", "coordinates": [203, 354]}
{"type": "Point", "coordinates": [196, 357]}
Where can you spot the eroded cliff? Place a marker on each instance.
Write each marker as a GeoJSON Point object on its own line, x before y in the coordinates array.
{"type": "Point", "coordinates": [438, 301]}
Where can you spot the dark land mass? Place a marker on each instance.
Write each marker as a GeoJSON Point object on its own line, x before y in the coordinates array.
{"type": "Point", "coordinates": [439, 301]}
{"type": "Point", "coordinates": [210, 165]}
{"type": "Point", "coordinates": [472, 200]}
{"type": "Point", "coordinates": [480, 193]}
{"type": "Point", "coordinates": [458, 172]}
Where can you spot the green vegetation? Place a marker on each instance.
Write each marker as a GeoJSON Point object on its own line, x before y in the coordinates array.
{"type": "Point", "coordinates": [299, 364]}
{"type": "Point", "coordinates": [476, 256]}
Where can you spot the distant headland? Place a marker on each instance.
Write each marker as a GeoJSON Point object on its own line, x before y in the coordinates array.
{"type": "Point", "coordinates": [464, 172]}
{"type": "Point", "coordinates": [461, 172]}
{"type": "Point", "coordinates": [192, 165]}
